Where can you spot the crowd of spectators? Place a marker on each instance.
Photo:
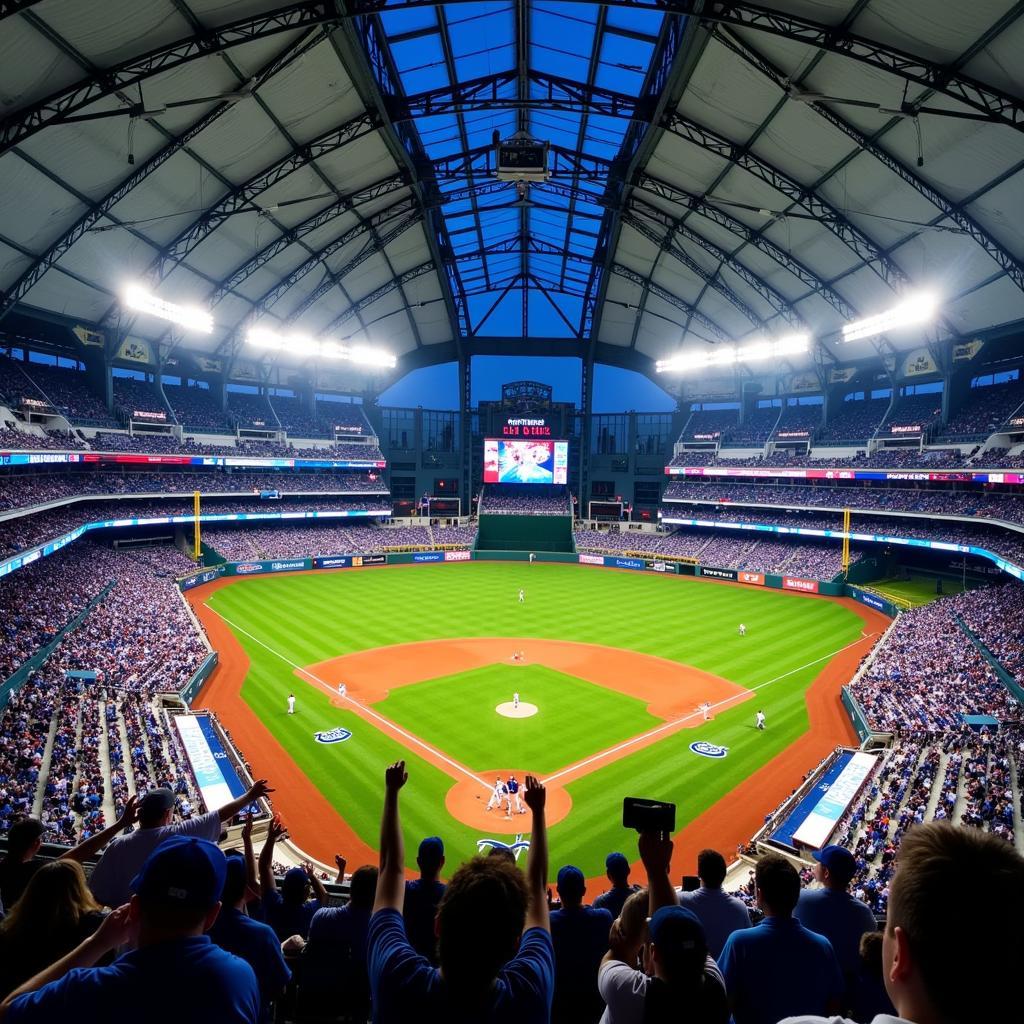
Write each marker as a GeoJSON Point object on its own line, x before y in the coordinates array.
{"type": "Point", "coordinates": [454, 536]}
{"type": "Point", "coordinates": [66, 390]}
{"type": "Point", "coordinates": [13, 438]}
{"type": "Point", "coordinates": [927, 676]}
{"type": "Point", "coordinates": [797, 419]}
{"type": "Point", "coordinates": [511, 499]}
{"type": "Point", "coordinates": [131, 396]}
{"type": "Point", "coordinates": [24, 490]}
{"type": "Point", "coordinates": [853, 421]}
{"type": "Point", "coordinates": [251, 411]}
{"type": "Point", "coordinates": [196, 408]}
{"type": "Point", "coordinates": [294, 416]}
{"type": "Point", "coordinates": [757, 426]}
{"type": "Point", "coordinates": [985, 410]}
{"type": "Point", "coordinates": [912, 411]}
{"type": "Point", "coordinates": [982, 504]}
{"type": "Point", "coordinates": [881, 458]}
{"type": "Point", "coordinates": [994, 615]}
{"type": "Point", "coordinates": [710, 424]}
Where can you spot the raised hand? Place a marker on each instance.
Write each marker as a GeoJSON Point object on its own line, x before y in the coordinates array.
{"type": "Point", "coordinates": [395, 777]}
{"type": "Point", "coordinates": [130, 814]}
{"type": "Point", "coordinates": [276, 829]}
{"type": "Point", "coordinates": [258, 790]}
{"type": "Point", "coordinates": [535, 794]}
{"type": "Point", "coordinates": [655, 851]}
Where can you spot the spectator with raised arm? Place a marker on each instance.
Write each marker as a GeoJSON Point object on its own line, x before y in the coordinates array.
{"type": "Point", "coordinates": [126, 854]}
{"type": "Point", "coordinates": [494, 942]}
{"type": "Point", "coordinates": [288, 911]}
{"type": "Point", "coordinates": [679, 981]}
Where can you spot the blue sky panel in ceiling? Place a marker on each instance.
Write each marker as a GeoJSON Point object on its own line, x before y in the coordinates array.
{"type": "Point", "coordinates": [549, 246]}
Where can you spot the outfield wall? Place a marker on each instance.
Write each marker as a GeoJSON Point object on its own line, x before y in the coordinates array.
{"type": "Point", "coordinates": [524, 532]}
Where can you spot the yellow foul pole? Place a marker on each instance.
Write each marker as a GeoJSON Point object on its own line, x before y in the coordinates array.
{"type": "Point", "coordinates": [846, 541]}
{"type": "Point", "coordinates": [198, 540]}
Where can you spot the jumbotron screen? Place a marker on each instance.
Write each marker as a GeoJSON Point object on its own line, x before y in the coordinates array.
{"type": "Point", "coordinates": [525, 462]}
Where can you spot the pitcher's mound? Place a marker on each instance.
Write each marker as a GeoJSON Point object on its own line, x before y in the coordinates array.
{"type": "Point", "coordinates": [509, 710]}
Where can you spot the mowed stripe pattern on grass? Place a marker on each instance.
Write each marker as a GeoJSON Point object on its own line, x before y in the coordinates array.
{"type": "Point", "coordinates": [313, 617]}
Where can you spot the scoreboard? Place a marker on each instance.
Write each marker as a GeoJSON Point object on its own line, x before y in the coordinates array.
{"type": "Point", "coordinates": [544, 426]}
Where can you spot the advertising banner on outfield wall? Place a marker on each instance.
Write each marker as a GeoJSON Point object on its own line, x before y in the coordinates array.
{"type": "Point", "coordinates": [591, 559]}
{"type": "Point", "coordinates": [347, 561]}
{"type": "Point", "coordinates": [255, 568]}
{"type": "Point", "coordinates": [625, 563]}
{"type": "Point", "coordinates": [796, 583]}
{"type": "Point", "coordinates": [428, 556]}
{"type": "Point", "coordinates": [456, 556]}
{"type": "Point", "coordinates": [662, 567]}
{"type": "Point", "coordinates": [755, 579]}
{"type": "Point", "coordinates": [197, 579]}
{"type": "Point", "coordinates": [715, 573]}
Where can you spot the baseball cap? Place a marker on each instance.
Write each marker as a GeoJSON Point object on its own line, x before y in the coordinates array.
{"type": "Point", "coordinates": [431, 848]}
{"type": "Point", "coordinates": [838, 860]}
{"type": "Point", "coordinates": [155, 803]}
{"type": "Point", "coordinates": [570, 881]}
{"type": "Point", "coordinates": [677, 930]}
{"type": "Point", "coordinates": [182, 872]}
{"type": "Point", "coordinates": [616, 864]}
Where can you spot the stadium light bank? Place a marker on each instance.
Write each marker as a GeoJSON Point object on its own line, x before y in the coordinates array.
{"type": "Point", "coordinates": [917, 309]}
{"type": "Point", "coordinates": [304, 345]}
{"type": "Point", "coordinates": [190, 317]}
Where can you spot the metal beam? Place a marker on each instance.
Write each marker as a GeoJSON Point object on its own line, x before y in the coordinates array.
{"type": "Point", "coordinates": [379, 293]}
{"type": "Point", "coordinates": [666, 296]}
{"type": "Point", "coordinates": [996, 105]}
{"type": "Point", "coordinates": [66, 103]}
{"type": "Point", "coordinates": [102, 208]}
{"type": "Point", "coordinates": [870, 144]}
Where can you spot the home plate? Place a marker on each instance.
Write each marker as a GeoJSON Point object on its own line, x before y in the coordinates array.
{"type": "Point", "coordinates": [509, 710]}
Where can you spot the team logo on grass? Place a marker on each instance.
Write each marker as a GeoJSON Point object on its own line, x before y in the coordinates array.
{"type": "Point", "coordinates": [706, 749]}
{"type": "Point", "coordinates": [338, 735]}
{"type": "Point", "coordinates": [516, 847]}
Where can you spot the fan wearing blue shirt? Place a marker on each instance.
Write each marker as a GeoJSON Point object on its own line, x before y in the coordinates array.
{"type": "Point", "coordinates": [779, 969]}
{"type": "Point", "coordinates": [617, 869]}
{"type": "Point", "coordinates": [288, 911]}
{"type": "Point", "coordinates": [174, 973]}
{"type": "Point", "coordinates": [422, 897]}
{"type": "Point", "coordinates": [252, 941]}
{"type": "Point", "coordinates": [494, 941]}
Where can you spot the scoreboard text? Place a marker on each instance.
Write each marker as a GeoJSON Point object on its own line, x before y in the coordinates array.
{"type": "Point", "coordinates": [525, 426]}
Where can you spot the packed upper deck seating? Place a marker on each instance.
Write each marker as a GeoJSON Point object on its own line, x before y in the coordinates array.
{"type": "Point", "coordinates": [756, 428]}
{"type": "Point", "coordinates": [524, 499]}
{"type": "Point", "coordinates": [853, 421]}
{"type": "Point", "coordinates": [985, 410]}
{"type": "Point", "coordinates": [132, 396]}
{"type": "Point", "coordinates": [710, 424]}
{"type": "Point", "coordinates": [295, 417]}
{"type": "Point", "coordinates": [912, 414]}
{"type": "Point", "coordinates": [66, 390]}
{"type": "Point", "coordinates": [197, 408]}
{"type": "Point", "coordinates": [252, 411]}
{"type": "Point", "coordinates": [798, 419]}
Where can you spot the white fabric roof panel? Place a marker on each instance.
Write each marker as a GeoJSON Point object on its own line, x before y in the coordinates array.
{"type": "Point", "coordinates": [12, 265]}
{"type": "Point", "coordinates": [31, 205]}
{"type": "Point", "coordinates": [998, 64]}
{"type": "Point", "coordinates": [989, 306]}
{"type": "Point", "coordinates": [999, 212]}
{"type": "Point", "coordinates": [31, 66]}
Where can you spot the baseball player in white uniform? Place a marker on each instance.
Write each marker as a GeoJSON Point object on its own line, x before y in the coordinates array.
{"type": "Point", "coordinates": [499, 793]}
{"type": "Point", "coordinates": [760, 720]}
{"type": "Point", "coordinates": [706, 710]}
{"type": "Point", "coordinates": [291, 703]}
{"type": "Point", "coordinates": [522, 596]}
{"type": "Point", "coordinates": [742, 630]}
{"type": "Point", "coordinates": [342, 690]}
{"type": "Point", "coordinates": [515, 701]}
{"type": "Point", "coordinates": [513, 789]}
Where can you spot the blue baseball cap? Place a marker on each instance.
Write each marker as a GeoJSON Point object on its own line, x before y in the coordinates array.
{"type": "Point", "coordinates": [839, 861]}
{"type": "Point", "coordinates": [617, 864]}
{"type": "Point", "coordinates": [570, 881]}
{"type": "Point", "coordinates": [431, 848]}
{"type": "Point", "coordinates": [182, 872]}
{"type": "Point", "coordinates": [677, 930]}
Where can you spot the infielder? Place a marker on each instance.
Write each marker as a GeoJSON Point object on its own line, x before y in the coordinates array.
{"type": "Point", "coordinates": [291, 703]}
{"type": "Point", "coordinates": [760, 720]}
{"type": "Point", "coordinates": [498, 795]}
{"type": "Point", "coordinates": [342, 690]}
{"type": "Point", "coordinates": [513, 788]}
{"type": "Point", "coordinates": [742, 630]}
{"type": "Point", "coordinates": [515, 702]}
{"type": "Point", "coordinates": [522, 596]}
{"type": "Point", "coordinates": [706, 710]}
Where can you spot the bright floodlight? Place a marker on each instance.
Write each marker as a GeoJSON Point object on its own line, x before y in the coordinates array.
{"type": "Point", "coordinates": [304, 345]}
{"type": "Point", "coordinates": [191, 317]}
{"type": "Point", "coordinates": [726, 355]}
{"type": "Point", "coordinates": [915, 309]}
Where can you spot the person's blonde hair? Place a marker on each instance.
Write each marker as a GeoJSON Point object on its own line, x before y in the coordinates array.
{"type": "Point", "coordinates": [53, 903]}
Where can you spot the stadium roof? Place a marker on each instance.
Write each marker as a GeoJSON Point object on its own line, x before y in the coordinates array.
{"type": "Point", "coordinates": [721, 171]}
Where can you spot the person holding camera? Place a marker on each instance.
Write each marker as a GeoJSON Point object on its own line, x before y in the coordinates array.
{"type": "Point", "coordinates": [678, 980]}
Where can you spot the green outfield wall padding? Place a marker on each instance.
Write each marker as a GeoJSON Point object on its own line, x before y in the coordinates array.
{"type": "Point", "coordinates": [524, 533]}
{"type": "Point", "coordinates": [27, 667]}
{"type": "Point", "coordinates": [856, 713]}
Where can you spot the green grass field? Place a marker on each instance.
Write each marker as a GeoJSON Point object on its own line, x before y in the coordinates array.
{"type": "Point", "coordinates": [920, 590]}
{"type": "Point", "coordinates": [299, 620]}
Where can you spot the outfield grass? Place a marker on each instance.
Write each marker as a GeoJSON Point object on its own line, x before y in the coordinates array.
{"type": "Point", "coordinates": [574, 718]}
{"type": "Point", "coordinates": [303, 619]}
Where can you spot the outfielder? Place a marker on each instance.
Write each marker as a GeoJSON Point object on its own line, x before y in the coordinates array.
{"type": "Point", "coordinates": [522, 596]}
{"type": "Point", "coordinates": [499, 794]}
{"type": "Point", "coordinates": [515, 701]}
{"type": "Point", "coordinates": [742, 630]}
{"type": "Point", "coordinates": [291, 703]}
{"type": "Point", "coordinates": [760, 720]}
